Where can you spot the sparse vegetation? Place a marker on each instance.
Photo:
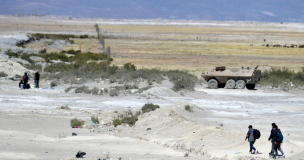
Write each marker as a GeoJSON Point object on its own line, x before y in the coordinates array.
{"type": "Point", "coordinates": [39, 36]}
{"type": "Point", "coordinates": [189, 108]}
{"type": "Point", "coordinates": [149, 107]}
{"type": "Point", "coordinates": [18, 76]}
{"type": "Point", "coordinates": [76, 122]}
{"type": "Point", "coordinates": [276, 77]}
{"type": "Point", "coordinates": [137, 113]}
{"type": "Point", "coordinates": [65, 107]}
{"type": "Point", "coordinates": [127, 120]}
{"type": "Point", "coordinates": [2, 74]}
{"type": "Point", "coordinates": [83, 89]}
{"type": "Point", "coordinates": [68, 89]}
{"type": "Point", "coordinates": [113, 92]}
{"type": "Point", "coordinates": [95, 119]}
{"type": "Point", "coordinates": [140, 90]}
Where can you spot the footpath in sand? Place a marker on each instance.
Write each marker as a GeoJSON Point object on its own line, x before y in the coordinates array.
{"type": "Point", "coordinates": [32, 126]}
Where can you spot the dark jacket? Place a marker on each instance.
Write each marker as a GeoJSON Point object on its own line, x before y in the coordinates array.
{"type": "Point", "coordinates": [271, 134]}
{"type": "Point", "coordinates": [37, 76]}
{"type": "Point", "coordinates": [25, 79]}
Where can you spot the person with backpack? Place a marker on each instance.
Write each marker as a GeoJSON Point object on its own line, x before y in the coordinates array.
{"type": "Point", "coordinates": [25, 80]}
{"type": "Point", "coordinates": [251, 140]}
{"type": "Point", "coordinates": [277, 139]}
{"type": "Point", "coordinates": [280, 135]}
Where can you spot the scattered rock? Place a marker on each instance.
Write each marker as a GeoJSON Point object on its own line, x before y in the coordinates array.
{"type": "Point", "coordinates": [80, 154]}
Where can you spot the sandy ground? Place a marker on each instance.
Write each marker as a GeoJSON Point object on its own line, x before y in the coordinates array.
{"type": "Point", "coordinates": [32, 126]}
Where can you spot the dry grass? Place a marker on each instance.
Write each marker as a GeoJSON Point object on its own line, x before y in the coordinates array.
{"type": "Point", "coordinates": [177, 47]}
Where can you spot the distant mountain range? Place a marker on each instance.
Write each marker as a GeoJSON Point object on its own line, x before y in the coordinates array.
{"type": "Point", "coordinates": [221, 10]}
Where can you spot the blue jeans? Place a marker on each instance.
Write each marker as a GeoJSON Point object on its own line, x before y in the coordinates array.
{"type": "Point", "coordinates": [251, 145]}
{"type": "Point", "coordinates": [36, 83]}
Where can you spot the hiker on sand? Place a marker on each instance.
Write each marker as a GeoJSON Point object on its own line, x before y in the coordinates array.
{"type": "Point", "coordinates": [271, 134]}
{"type": "Point", "coordinates": [37, 76]}
{"type": "Point", "coordinates": [277, 140]}
{"type": "Point", "coordinates": [251, 140]}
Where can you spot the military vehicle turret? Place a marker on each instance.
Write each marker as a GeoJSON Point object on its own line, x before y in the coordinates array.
{"type": "Point", "coordinates": [221, 77]}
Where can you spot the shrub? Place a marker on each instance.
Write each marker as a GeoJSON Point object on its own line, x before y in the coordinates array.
{"type": "Point", "coordinates": [11, 54]}
{"type": "Point", "coordinates": [143, 89]}
{"type": "Point", "coordinates": [65, 107]}
{"type": "Point", "coordinates": [55, 56]}
{"type": "Point", "coordinates": [129, 66]}
{"type": "Point", "coordinates": [149, 107]}
{"type": "Point", "coordinates": [137, 113]}
{"type": "Point", "coordinates": [95, 119]}
{"type": "Point", "coordinates": [189, 108]}
{"type": "Point", "coordinates": [129, 120]}
{"type": "Point", "coordinates": [116, 122]}
{"type": "Point", "coordinates": [83, 89]}
{"type": "Point", "coordinates": [75, 122]}
{"type": "Point", "coordinates": [277, 76]}
{"type": "Point", "coordinates": [35, 67]}
{"type": "Point", "coordinates": [130, 86]}
{"type": "Point", "coordinates": [182, 80]}
{"type": "Point", "coordinates": [42, 50]}
{"type": "Point", "coordinates": [95, 91]}
{"type": "Point", "coordinates": [71, 41]}
{"type": "Point", "coordinates": [68, 89]}
{"type": "Point", "coordinates": [2, 74]}
{"type": "Point", "coordinates": [113, 92]}
{"type": "Point", "coordinates": [18, 76]}
{"type": "Point", "coordinates": [54, 84]}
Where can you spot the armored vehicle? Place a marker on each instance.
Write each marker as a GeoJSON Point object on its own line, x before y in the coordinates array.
{"type": "Point", "coordinates": [221, 77]}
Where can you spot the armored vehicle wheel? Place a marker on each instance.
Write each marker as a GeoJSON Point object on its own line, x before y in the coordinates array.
{"type": "Point", "coordinates": [250, 86]}
{"type": "Point", "coordinates": [230, 84]}
{"type": "Point", "coordinates": [212, 84]}
{"type": "Point", "coordinates": [240, 84]}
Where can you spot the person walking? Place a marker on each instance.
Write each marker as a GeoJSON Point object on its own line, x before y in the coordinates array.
{"type": "Point", "coordinates": [37, 76]}
{"type": "Point", "coordinates": [270, 137]}
{"type": "Point", "coordinates": [251, 140]}
{"type": "Point", "coordinates": [276, 139]}
{"type": "Point", "coordinates": [280, 140]}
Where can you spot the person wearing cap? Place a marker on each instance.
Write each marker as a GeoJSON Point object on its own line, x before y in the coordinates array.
{"type": "Point", "coordinates": [251, 140]}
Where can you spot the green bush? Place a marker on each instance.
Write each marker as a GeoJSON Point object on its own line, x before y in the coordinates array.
{"type": "Point", "coordinates": [27, 57]}
{"type": "Point", "coordinates": [71, 41]}
{"type": "Point", "coordinates": [116, 122]}
{"type": "Point", "coordinates": [189, 108]}
{"type": "Point", "coordinates": [35, 67]}
{"type": "Point", "coordinates": [95, 119]}
{"type": "Point", "coordinates": [137, 113]}
{"type": "Point", "coordinates": [87, 56]}
{"type": "Point", "coordinates": [75, 122]}
{"type": "Point", "coordinates": [149, 107]}
{"type": "Point", "coordinates": [55, 56]}
{"type": "Point", "coordinates": [68, 89]}
{"type": "Point", "coordinates": [277, 76]}
{"type": "Point", "coordinates": [129, 66]}
{"type": "Point", "coordinates": [2, 74]}
{"type": "Point", "coordinates": [42, 50]}
{"type": "Point", "coordinates": [11, 54]}
{"type": "Point", "coordinates": [129, 120]}
{"type": "Point", "coordinates": [83, 89]}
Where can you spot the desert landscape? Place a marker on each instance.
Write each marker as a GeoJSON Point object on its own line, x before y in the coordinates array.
{"type": "Point", "coordinates": [157, 64]}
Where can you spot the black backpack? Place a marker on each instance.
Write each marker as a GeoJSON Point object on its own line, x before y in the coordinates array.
{"type": "Point", "coordinates": [256, 134]}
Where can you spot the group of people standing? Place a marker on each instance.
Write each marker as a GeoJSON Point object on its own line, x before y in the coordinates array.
{"type": "Point", "coordinates": [276, 138]}
{"type": "Point", "coordinates": [23, 84]}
